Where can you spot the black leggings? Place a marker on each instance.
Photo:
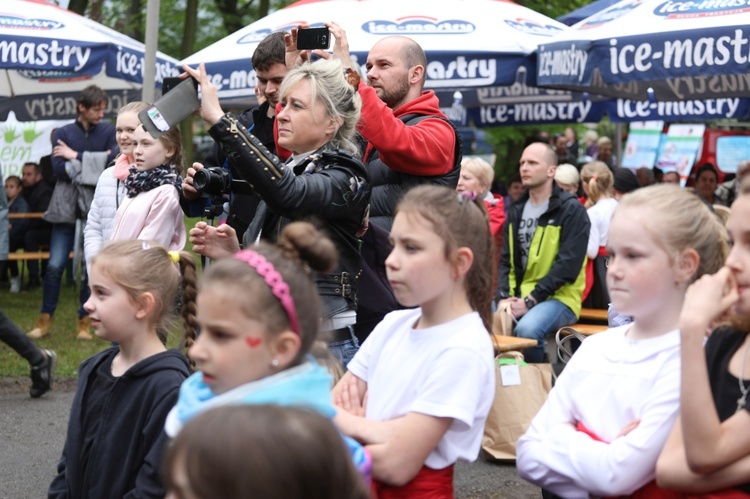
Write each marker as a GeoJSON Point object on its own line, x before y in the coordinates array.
{"type": "Point", "coordinates": [14, 338]}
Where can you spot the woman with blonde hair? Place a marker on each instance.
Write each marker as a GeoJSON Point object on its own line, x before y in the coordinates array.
{"type": "Point", "coordinates": [475, 181]}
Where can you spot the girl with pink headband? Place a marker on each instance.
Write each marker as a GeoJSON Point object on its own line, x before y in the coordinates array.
{"type": "Point", "coordinates": [259, 314]}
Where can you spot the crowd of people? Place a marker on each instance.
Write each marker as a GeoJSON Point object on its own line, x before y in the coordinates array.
{"type": "Point", "coordinates": [340, 342]}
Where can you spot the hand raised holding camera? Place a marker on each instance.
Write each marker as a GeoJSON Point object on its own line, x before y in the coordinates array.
{"type": "Point", "coordinates": [188, 190]}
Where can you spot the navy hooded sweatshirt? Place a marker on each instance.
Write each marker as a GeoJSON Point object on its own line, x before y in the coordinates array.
{"type": "Point", "coordinates": [122, 457]}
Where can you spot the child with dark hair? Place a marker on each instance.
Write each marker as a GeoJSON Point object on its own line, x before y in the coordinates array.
{"type": "Point", "coordinates": [259, 313]}
{"type": "Point", "coordinates": [427, 372]}
{"type": "Point", "coordinates": [116, 427]}
{"type": "Point", "coordinates": [263, 451]}
{"type": "Point", "coordinates": [17, 229]}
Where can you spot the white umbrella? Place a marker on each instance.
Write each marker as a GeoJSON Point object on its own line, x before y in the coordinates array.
{"type": "Point", "coordinates": [469, 43]}
{"type": "Point", "coordinates": [49, 54]}
{"type": "Point", "coordinates": [681, 49]}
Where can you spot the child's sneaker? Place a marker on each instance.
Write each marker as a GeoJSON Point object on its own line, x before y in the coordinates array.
{"type": "Point", "coordinates": [42, 375]}
{"type": "Point", "coordinates": [15, 284]}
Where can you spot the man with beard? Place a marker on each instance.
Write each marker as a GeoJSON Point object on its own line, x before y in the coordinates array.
{"type": "Point", "coordinates": [409, 140]}
{"type": "Point", "coordinates": [542, 263]}
{"type": "Point", "coordinates": [37, 193]}
{"type": "Point", "coordinates": [709, 448]}
{"type": "Point", "coordinates": [270, 67]}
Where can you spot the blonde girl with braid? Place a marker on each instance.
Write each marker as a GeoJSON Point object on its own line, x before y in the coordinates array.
{"type": "Point", "coordinates": [116, 428]}
{"type": "Point", "coordinates": [597, 180]}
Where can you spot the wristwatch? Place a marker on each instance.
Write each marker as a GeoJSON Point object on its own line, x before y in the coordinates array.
{"type": "Point", "coordinates": [529, 301]}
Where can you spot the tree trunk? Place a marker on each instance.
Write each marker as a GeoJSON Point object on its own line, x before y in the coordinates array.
{"type": "Point", "coordinates": [95, 13]}
{"type": "Point", "coordinates": [131, 22]}
{"type": "Point", "coordinates": [188, 44]}
{"type": "Point", "coordinates": [263, 8]}
{"type": "Point", "coordinates": [230, 15]}
{"type": "Point", "coordinates": [78, 6]}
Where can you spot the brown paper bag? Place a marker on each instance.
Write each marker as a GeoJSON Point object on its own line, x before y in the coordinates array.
{"type": "Point", "coordinates": [514, 407]}
{"type": "Point", "coordinates": [502, 320]}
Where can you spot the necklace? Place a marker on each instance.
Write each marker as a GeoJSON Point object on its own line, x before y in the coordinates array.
{"type": "Point", "coordinates": [744, 391]}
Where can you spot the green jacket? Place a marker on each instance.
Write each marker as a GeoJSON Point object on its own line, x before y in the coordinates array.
{"type": "Point", "coordinates": [556, 267]}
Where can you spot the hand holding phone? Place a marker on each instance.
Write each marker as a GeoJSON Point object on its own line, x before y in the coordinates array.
{"type": "Point", "coordinates": [313, 39]}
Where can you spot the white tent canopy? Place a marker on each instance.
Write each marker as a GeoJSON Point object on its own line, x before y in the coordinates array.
{"type": "Point", "coordinates": [49, 54]}
{"type": "Point", "coordinates": [469, 43]}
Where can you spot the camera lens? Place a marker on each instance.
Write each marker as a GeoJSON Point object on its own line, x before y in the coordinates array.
{"type": "Point", "coordinates": [323, 38]}
{"type": "Point", "coordinates": [201, 179]}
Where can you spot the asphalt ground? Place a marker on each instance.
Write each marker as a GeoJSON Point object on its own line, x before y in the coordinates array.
{"type": "Point", "coordinates": [32, 434]}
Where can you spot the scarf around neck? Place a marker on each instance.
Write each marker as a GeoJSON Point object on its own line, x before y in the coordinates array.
{"type": "Point", "coordinates": [144, 181]}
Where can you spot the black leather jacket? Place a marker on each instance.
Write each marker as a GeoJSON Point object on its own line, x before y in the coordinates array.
{"type": "Point", "coordinates": [329, 186]}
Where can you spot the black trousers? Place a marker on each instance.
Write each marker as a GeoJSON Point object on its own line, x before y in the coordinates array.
{"type": "Point", "coordinates": [17, 340]}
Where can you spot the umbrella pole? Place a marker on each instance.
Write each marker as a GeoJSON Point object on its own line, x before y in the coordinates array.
{"type": "Point", "coordinates": [148, 91]}
{"type": "Point", "coordinates": [618, 143]}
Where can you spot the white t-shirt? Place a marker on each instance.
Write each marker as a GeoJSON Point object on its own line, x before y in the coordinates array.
{"type": "Point", "coordinates": [442, 371]}
{"type": "Point", "coordinates": [609, 382]}
{"type": "Point", "coordinates": [600, 215]}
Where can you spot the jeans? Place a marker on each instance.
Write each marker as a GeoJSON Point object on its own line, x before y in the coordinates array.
{"type": "Point", "coordinates": [60, 246]}
{"type": "Point", "coordinates": [542, 320]}
{"type": "Point", "coordinates": [17, 340]}
{"type": "Point", "coordinates": [344, 350]}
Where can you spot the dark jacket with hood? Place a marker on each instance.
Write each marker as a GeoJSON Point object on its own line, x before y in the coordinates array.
{"type": "Point", "coordinates": [124, 455]}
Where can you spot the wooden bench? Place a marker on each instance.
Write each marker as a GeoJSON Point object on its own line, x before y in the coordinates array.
{"type": "Point", "coordinates": [593, 316]}
{"type": "Point", "coordinates": [31, 255]}
{"type": "Point", "coordinates": [588, 329]}
{"type": "Point", "coordinates": [24, 256]}
{"type": "Point", "coordinates": [20, 216]}
{"type": "Point", "coordinates": [507, 343]}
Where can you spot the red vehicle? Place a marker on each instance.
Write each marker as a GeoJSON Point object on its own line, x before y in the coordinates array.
{"type": "Point", "coordinates": [724, 149]}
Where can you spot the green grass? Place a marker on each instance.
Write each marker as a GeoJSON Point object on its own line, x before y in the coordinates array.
{"type": "Point", "coordinates": [23, 309]}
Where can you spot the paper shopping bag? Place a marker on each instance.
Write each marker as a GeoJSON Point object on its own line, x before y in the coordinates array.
{"type": "Point", "coordinates": [502, 320]}
{"type": "Point", "coordinates": [518, 396]}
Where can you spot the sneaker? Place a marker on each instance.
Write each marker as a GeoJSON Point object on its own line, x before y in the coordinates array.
{"type": "Point", "coordinates": [15, 284]}
{"type": "Point", "coordinates": [42, 375]}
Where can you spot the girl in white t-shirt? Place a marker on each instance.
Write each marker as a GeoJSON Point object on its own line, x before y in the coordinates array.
{"type": "Point", "coordinates": [609, 414]}
{"type": "Point", "coordinates": [418, 391]}
{"type": "Point", "coordinates": [597, 180]}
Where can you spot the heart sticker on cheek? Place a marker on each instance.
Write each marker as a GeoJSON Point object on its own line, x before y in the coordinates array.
{"type": "Point", "coordinates": [252, 342]}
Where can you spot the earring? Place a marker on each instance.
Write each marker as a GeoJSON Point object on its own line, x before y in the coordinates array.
{"type": "Point", "coordinates": [275, 362]}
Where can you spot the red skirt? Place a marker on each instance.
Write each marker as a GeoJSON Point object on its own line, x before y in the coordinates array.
{"type": "Point", "coordinates": [427, 484]}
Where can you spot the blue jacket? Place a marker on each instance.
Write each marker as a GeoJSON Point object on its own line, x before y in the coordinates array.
{"type": "Point", "coordinates": [97, 138]}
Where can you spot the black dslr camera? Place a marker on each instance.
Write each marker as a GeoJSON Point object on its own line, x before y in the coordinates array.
{"type": "Point", "coordinates": [213, 181]}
